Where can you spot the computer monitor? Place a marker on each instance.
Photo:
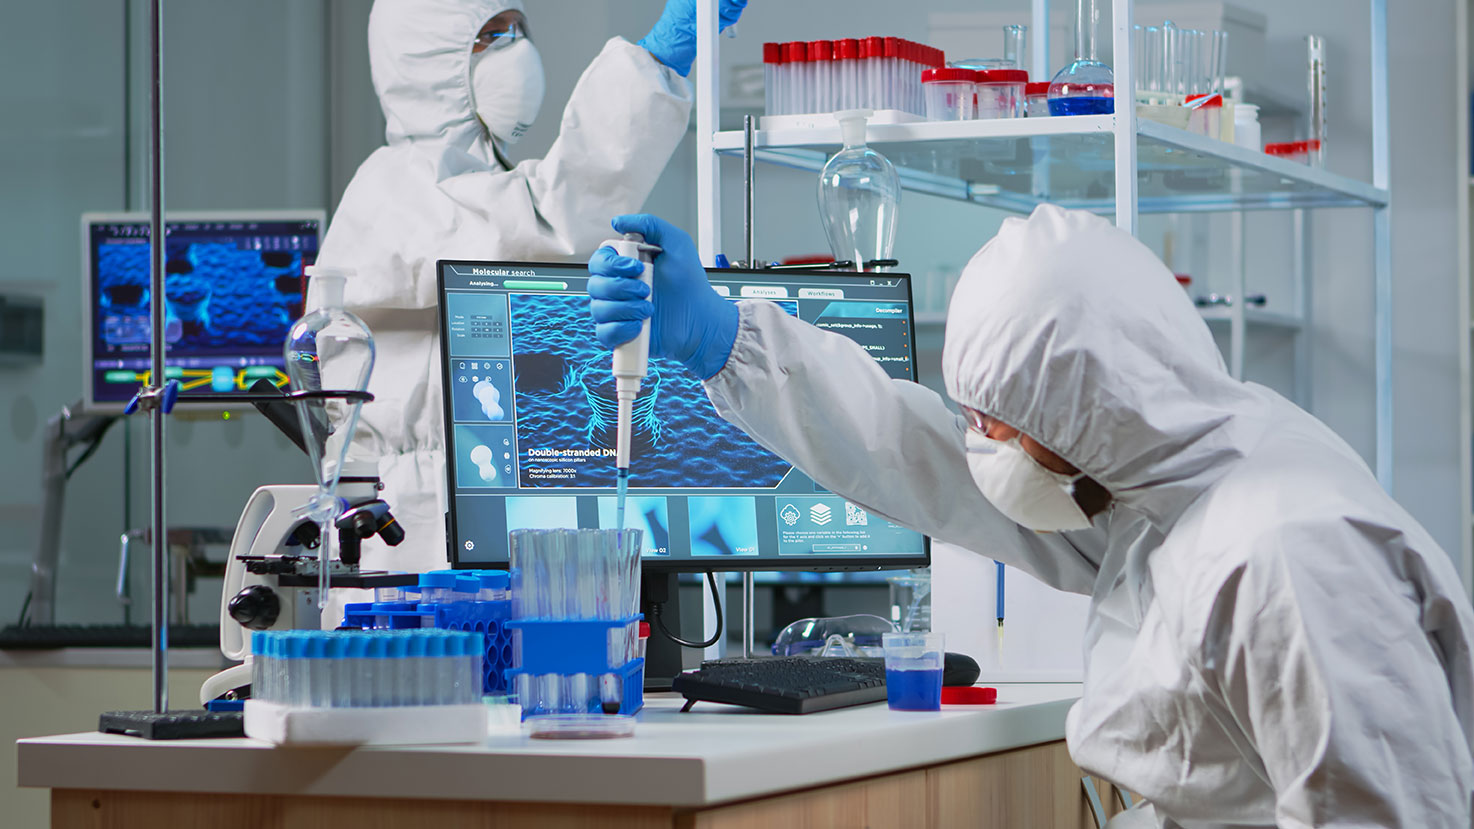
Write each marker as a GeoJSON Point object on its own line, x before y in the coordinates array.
{"type": "Point", "coordinates": [530, 421]}
{"type": "Point", "coordinates": [233, 286]}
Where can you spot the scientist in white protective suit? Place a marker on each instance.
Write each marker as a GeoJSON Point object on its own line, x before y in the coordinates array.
{"type": "Point", "coordinates": [457, 80]}
{"type": "Point", "coordinates": [1272, 640]}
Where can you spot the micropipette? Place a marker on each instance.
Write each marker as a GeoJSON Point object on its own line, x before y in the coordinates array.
{"type": "Point", "coordinates": [630, 363]}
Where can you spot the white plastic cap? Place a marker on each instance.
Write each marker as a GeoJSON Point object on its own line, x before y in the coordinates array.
{"type": "Point", "coordinates": [329, 282]}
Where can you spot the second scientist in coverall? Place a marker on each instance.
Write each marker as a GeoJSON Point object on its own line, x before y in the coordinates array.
{"type": "Point", "coordinates": [456, 79]}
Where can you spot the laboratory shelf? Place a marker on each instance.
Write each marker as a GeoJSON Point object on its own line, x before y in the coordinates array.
{"type": "Point", "coordinates": [1255, 317]}
{"type": "Point", "coordinates": [1017, 164]}
{"type": "Point", "coordinates": [1214, 314]}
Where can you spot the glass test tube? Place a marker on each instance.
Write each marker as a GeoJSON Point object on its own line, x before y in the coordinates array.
{"type": "Point", "coordinates": [1316, 83]}
{"type": "Point", "coordinates": [1015, 40]}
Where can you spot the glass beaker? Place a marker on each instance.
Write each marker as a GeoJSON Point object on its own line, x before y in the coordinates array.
{"type": "Point", "coordinates": [328, 350]}
{"type": "Point", "coordinates": [1085, 86]}
{"type": "Point", "coordinates": [859, 196]}
{"type": "Point", "coordinates": [911, 601]}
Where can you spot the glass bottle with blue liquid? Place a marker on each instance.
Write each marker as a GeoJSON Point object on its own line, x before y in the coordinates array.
{"type": "Point", "coordinates": [1085, 86]}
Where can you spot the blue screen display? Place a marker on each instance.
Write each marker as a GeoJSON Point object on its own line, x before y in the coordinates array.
{"type": "Point", "coordinates": [530, 404]}
{"type": "Point", "coordinates": [232, 289]}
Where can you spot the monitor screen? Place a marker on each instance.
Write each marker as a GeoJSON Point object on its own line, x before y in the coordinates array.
{"type": "Point", "coordinates": [530, 420]}
{"type": "Point", "coordinates": [233, 286]}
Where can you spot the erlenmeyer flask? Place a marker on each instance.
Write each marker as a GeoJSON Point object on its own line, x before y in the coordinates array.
{"type": "Point", "coordinates": [328, 349]}
{"type": "Point", "coordinates": [859, 196]}
{"type": "Point", "coordinates": [1085, 86]}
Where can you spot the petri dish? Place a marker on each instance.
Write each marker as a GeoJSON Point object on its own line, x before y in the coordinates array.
{"type": "Point", "coordinates": [580, 726]}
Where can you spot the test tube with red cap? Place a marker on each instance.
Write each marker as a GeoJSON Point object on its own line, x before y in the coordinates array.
{"type": "Point", "coordinates": [772, 65]}
{"type": "Point", "coordinates": [872, 53]}
{"type": "Point", "coordinates": [821, 56]}
{"type": "Point", "coordinates": [846, 62]}
{"type": "Point", "coordinates": [795, 61]}
{"type": "Point", "coordinates": [891, 98]}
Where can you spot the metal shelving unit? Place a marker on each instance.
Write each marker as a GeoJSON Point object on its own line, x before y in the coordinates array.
{"type": "Point", "coordinates": [1114, 164]}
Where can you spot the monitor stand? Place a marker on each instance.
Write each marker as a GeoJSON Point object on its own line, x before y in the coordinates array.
{"type": "Point", "coordinates": [662, 656]}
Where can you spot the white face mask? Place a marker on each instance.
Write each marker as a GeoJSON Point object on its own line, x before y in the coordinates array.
{"type": "Point", "coordinates": [1021, 488]}
{"type": "Point", "coordinates": [507, 89]}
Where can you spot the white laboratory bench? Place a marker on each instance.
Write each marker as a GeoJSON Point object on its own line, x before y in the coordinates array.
{"type": "Point", "coordinates": [716, 766]}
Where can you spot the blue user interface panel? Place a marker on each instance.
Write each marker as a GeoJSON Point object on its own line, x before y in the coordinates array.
{"type": "Point", "coordinates": [232, 288]}
{"type": "Point", "coordinates": [531, 418]}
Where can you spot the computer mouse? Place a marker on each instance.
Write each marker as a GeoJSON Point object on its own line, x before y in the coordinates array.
{"type": "Point", "coordinates": [959, 669]}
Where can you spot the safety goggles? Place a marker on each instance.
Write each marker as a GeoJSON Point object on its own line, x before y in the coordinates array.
{"type": "Point", "coordinates": [497, 39]}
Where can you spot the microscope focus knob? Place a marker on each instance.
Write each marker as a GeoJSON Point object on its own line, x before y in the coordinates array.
{"type": "Point", "coordinates": [256, 607]}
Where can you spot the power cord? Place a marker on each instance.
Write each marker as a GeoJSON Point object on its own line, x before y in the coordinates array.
{"type": "Point", "coordinates": [656, 608]}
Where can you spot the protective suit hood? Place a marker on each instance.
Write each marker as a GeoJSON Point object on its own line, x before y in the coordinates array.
{"type": "Point", "coordinates": [420, 57]}
{"type": "Point", "coordinates": [1072, 331]}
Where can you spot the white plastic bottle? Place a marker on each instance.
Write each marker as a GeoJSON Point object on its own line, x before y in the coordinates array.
{"type": "Point", "coordinates": [1246, 131]}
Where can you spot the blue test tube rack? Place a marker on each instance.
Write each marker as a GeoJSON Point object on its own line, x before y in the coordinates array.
{"type": "Point", "coordinates": [486, 617]}
{"type": "Point", "coordinates": [576, 646]}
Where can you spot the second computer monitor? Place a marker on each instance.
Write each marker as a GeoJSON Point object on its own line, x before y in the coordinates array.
{"type": "Point", "coordinates": [530, 421]}
{"type": "Point", "coordinates": [233, 285]}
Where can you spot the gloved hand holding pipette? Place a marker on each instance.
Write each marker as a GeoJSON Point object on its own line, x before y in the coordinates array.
{"type": "Point", "coordinates": [689, 322]}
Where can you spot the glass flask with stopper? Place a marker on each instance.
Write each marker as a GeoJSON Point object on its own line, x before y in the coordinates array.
{"type": "Point", "coordinates": [329, 356]}
{"type": "Point", "coordinates": [1085, 86]}
{"type": "Point", "coordinates": [859, 196]}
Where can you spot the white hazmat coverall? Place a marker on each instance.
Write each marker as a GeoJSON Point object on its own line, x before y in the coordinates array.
{"type": "Point", "coordinates": [437, 191]}
{"type": "Point", "coordinates": [1272, 640]}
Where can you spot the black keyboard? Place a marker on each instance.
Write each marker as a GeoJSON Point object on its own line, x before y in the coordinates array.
{"type": "Point", "coordinates": [47, 637]}
{"type": "Point", "coordinates": [785, 684]}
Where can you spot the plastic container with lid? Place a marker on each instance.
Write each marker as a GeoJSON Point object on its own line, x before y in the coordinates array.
{"type": "Point", "coordinates": [1246, 131]}
{"type": "Point", "coordinates": [437, 587]}
{"type": "Point", "coordinates": [1300, 151]}
{"type": "Point", "coordinates": [1036, 95]}
{"type": "Point", "coordinates": [1000, 93]}
{"type": "Point", "coordinates": [467, 589]}
{"type": "Point", "coordinates": [495, 585]}
{"type": "Point", "coordinates": [950, 94]}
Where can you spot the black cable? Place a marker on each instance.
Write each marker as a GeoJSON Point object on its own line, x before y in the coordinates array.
{"type": "Point", "coordinates": [716, 597]}
{"type": "Point", "coordinates": [24, 606]}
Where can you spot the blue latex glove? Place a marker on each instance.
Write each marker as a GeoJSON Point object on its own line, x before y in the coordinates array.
{"type": "Point", "coordinates": [673, 40]}
{"type": "Point", "coordinates": [689, 322]}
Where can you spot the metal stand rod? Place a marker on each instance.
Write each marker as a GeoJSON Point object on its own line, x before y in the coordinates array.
{"type": "Point", "coordinates": [748, 163]}
{"type": "Point", "coordinates": [748, 615]}
{"type": "Point", "coordinates": [156, 415]}
{"type": "Point", "coordinates": [748, 172]}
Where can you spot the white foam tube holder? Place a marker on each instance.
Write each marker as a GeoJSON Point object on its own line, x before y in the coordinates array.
{"type": "Point", "coordinates": [285, 725]}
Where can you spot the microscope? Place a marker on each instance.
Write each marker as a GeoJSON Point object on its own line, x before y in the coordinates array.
{"type": "Point", "coordinates": [271, 575]}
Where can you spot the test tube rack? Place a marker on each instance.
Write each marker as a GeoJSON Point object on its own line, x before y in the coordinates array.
{"type": "Point", "coordinates": [592, 648]}
{"type": "Point", "coordinates": [487, 618]}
